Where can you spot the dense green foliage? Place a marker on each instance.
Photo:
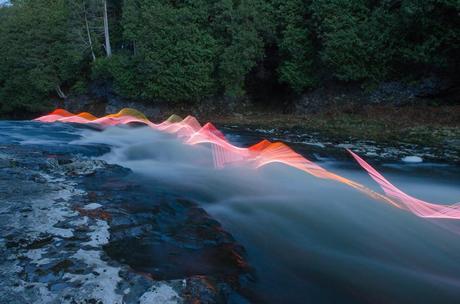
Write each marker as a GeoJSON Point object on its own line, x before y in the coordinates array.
{"type": "Point", "coordinates": [37, 53]}
{"type": "Point", "coordinates": [187, 50]}
{"type": "Point", "coordinates": [295, 44]}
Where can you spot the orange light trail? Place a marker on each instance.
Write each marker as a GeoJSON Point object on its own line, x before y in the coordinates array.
{"type": "Point", "coordinates": [259, 155]}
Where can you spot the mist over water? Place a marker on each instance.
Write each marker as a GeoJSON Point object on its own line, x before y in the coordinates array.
{"type": "Point", "coordinates": [308, 239]}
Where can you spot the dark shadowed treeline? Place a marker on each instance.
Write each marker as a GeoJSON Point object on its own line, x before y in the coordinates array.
{"type": "Point", "coordinates": [187, 50]}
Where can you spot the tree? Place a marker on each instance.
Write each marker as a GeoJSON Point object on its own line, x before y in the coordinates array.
{"type": "Point", "coordinates": [108, 47]}
{"type": "Point", "coordinates": [172, 57]}
{"type": "Point", "coordinates": [38, 54]}
{"type": "Point", "coordinates": [428, 34]}
{"type": "Point", "coordinates": [236, 25]}
{"type": "Point", "coordinates": [187, 50]}
{"type": "Point", "coordinates": [90, 20]}
{"type": "Point", "coordinates": [341, 27]}
{"type": "Point", "coordinates": [295, 44]}
{"type": "Point", "coordinates": [82, 17]}
{"type": "Point", "coordinates": [370, 41]}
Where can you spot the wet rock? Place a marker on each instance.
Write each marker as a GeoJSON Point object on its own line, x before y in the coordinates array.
{"type": "Point", "coordinates": [62, 265]}
{"type": "Point", "coordinates": [400, 93]}
{"type": "Point", "coordinates": [73, 230]}
{"type": "Point", "coordinates": [40, 242]}
{"type": "Point", "coordinates": [161, 293]}
{"type": "Point", "coordinates": [328, 95]}
{"type": "Point", "coordinates": [94, 213]}
{"type": "Point", "coordinates": [92, 206]}
{"type": "Point", "coordinates": [412, 159]}
{"type": "Point", "coordinates": [82, 167]}
{"type": "Point", "coordinates": [14, 241]}
{"type": "Point", "coordinates": [38, 178]}
{"type": "Point", "coordinates": [204, 290]}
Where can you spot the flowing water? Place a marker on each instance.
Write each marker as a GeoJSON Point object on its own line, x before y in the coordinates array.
{"type": "Point", "coordinates": [305, 239]}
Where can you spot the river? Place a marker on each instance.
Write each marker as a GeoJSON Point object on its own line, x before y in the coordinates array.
{"type": "Point", "coordinates": [296, 238]}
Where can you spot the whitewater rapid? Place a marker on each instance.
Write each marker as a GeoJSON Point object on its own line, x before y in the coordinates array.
{"type": "Point", "coordinates": [308, 238]}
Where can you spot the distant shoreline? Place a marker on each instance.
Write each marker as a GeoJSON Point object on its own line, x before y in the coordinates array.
{"type": "Point", "coordinates": [433, 130]}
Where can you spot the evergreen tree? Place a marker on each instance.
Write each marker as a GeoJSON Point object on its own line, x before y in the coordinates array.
{"type": "Point", "coordinates": [38, 56]}
{"type": "Point", "coordinates": [186, 50]}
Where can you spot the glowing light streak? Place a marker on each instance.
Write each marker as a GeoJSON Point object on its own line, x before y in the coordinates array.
{"type": "Point", "coordinates": [259, 155]}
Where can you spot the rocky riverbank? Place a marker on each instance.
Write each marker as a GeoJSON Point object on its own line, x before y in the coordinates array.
{"type": "Point", "coordinates": [429, 133]}
{"type": "Point", "coordinates": [74, 229]}
{"type": "Point", "coordinates": [389, 131]}
{"type": "Point", "coordinates": [392, 120]}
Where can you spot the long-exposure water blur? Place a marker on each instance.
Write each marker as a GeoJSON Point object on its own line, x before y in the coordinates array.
{"type": "Point", "coordinates": [158, 210]}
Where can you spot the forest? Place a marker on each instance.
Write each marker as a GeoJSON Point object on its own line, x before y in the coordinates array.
{"type": "Point", "coordinates": [182, 51]}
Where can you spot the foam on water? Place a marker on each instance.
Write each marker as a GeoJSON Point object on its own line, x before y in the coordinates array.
{"type": "Point", "coordinates": [298, 228]}
{"type": "Point", "coordinates": [309, 238]}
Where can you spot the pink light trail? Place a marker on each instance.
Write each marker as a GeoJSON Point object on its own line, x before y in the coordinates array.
{"type": "Point", "coordinates": [259, 155]}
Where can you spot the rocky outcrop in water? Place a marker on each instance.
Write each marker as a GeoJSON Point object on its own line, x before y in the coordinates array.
{"type": "Point", "coordinates": [78, 230]}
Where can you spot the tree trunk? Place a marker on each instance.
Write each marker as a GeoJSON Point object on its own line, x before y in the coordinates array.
{"type": "Point", "coordinates": [108, 48]}
{"type": "Point", "coordinates": [60, 93]}
{"type": "Point", "coordinates": [89, 37]}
